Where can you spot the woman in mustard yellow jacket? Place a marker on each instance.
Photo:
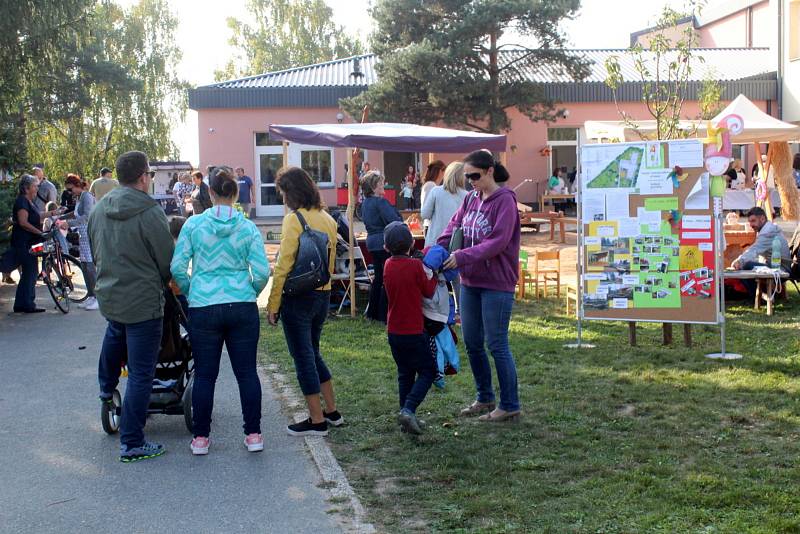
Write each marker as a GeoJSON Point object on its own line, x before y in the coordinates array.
{"type": "Point", "coordinates": [304, 315]}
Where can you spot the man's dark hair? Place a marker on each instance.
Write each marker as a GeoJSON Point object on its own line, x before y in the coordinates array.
{"type": "Point", "coordinates": [104, 171]}
{"type": "Point", "coordinates": [758, 212]}
{"type": "Point", "coordinates": [130, 166]}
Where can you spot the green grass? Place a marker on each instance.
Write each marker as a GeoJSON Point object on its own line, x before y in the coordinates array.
{"type": "Point", "coordinates": [613, 439]}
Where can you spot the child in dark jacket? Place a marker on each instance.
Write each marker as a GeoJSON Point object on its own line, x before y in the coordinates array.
{"type": "Point", "coordinates": [407, 281]}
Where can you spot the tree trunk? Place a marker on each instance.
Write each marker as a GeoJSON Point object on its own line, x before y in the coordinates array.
{"type": "Point", "coordinates": [494, 82]}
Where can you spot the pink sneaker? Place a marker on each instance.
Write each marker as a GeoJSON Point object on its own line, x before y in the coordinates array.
{"type": "Point", "coordinates": [254, 442]}
{"type": "Point", "coordinates": [200, 445]}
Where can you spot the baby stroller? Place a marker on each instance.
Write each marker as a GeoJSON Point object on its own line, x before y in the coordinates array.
{"type": "Point", "coordinates": [172, 385]}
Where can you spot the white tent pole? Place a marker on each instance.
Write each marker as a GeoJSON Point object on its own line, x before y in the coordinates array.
{"type": "Point", "coordinates": [351, 191]}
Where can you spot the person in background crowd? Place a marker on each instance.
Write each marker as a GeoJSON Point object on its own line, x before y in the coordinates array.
{"type": "Point", "coordinates": [132, 249]}
{"type": "Point", "coordinates": [555, 185]}
{"type": "Point", "coordinates": [376, 212]}
{"type": "Point", "coordinates": [47, 190]}
{"type": "Point", "coordinates": [417, 193]}
{"type": "Point", "coordinates": [83, 209]}
{"type": "Point", "coordinates": [104, 184]}
{"type": "Point", "coordinates": [433, 177]}
{"type": "Point", "coordinates": [796, 169]}
{"type": "Point", "coordinates": [26, 231]}
{"type": "Point", "coordinates": [182, 190]}
{"type": "Point", "coordinates": [199, 197]}
{"type": "Point", "coordinates": [68, 199]}
{"type": "Point", "coordinates": [489, 267]}
{"type": "Point", "coordinates": [303, 315]}
{"type": "Point", "coordinates": [247, 190]}
{"type": "Point", "coordinates": [365, 168]}
{"type": "Point", "coordinates": [228, 271]}
{"type": "Point", "coordinates": [443, 201]}
{"type": "Point", "coordinates": [407, 194]}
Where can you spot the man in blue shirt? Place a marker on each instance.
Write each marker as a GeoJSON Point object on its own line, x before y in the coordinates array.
{"type": "Point", "coordinates": [247, 191]}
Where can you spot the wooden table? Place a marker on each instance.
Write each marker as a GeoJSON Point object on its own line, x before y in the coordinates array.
{"type": "Point", "coordinates": [765, 285]}
{"type": "Point", "coordinates": [535, 222]}
{"type": "Point", "coordinates": [561, 230]}
{"type": "Point", "coordinates": [547, 197]}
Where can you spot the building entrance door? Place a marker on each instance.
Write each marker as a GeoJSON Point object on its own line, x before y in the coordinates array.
{"type": "Point", "coordinates": [268, 160]}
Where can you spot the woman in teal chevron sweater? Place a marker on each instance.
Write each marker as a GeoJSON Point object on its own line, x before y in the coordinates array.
{"type": "Point", "coordinates": [229, 270]}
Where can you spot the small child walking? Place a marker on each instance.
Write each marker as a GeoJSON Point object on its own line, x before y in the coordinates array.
{"type": "Point", "coordinates": [407, 282]}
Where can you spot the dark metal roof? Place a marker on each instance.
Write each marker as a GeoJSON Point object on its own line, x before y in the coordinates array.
{"type": "Point", "coordinates": [739, 70]}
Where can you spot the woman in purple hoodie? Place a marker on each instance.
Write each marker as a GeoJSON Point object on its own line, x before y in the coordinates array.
{"type": "Point", "coordinates": [489, 266]}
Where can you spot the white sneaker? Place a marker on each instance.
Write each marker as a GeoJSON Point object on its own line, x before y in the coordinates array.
{"type": "Point", "coordinates": [91, 304]}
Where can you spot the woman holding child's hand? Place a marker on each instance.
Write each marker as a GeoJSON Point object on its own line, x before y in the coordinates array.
{"type": "Point", "coordinates": [488, 265]}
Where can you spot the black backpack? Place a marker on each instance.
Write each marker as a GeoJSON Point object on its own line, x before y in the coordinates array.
{"type": "Point", "coordinates": [310, 269]}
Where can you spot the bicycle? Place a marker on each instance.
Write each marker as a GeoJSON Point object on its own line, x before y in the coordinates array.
{"type": "Point", "coordinates": [61, 273]}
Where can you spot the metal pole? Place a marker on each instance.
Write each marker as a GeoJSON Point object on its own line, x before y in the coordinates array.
{"type": "Point", "coordinates": [720, 281]}
{"type": "Point", "coordinates": [351, 235]}
{"type": "Point", "coordinates": [579, 268]}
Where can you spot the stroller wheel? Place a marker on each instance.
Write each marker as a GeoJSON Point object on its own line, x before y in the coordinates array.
{"type": "Point", "coordinates": [111, 413]}
{"type": "Point", "coordinates": [187, 404]}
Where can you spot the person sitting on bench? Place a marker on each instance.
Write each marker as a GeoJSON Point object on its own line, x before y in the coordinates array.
{"type": "Point", "coordinates": [760, 252]}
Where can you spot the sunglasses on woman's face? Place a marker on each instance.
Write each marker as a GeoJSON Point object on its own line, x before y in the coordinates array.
{"type": "Point", "coordinates": [473, 176]}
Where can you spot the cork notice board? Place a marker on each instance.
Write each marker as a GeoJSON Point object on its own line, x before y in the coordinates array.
{"type": "Point", "coordinates": [647, 243]}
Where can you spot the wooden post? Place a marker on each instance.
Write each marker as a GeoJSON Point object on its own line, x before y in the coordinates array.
{"type": "Point", "coordinates": [632, 333]}
{"type": "Point", "coordinates": [666, 329]}
{"type": "Point", "coordinates": [351, 237]}
{"type": "Point", "coordinates": [687, 335]}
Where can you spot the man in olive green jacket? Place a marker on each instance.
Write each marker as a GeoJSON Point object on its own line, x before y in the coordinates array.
{"type": "Point", "coordinates": [132, 250]}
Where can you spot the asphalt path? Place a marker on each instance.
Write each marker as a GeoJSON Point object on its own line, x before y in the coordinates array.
{"type": "Point", "coordinates": [59, 472]}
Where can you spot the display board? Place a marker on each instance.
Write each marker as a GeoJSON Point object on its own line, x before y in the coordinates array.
{"type": "Point", "coordinates": [647, 233]}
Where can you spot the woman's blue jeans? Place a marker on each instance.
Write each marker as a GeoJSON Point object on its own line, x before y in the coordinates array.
{"type": "Point", "coordinates": [237, 326]}
{"type": "Point", "coordinates": [302, 317]}
{"type": "Point", "coordinates": [485, 315]}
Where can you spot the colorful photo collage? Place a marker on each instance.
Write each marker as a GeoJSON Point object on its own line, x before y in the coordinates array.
{"type": "Point", "coordinates": [631, 272]}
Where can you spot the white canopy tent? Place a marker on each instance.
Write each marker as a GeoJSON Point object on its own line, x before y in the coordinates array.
{"type": "Point", "coordinates": [758, 126]}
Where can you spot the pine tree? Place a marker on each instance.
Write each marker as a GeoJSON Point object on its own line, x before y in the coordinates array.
{"type": "Point", "coordinates": [446, 61]}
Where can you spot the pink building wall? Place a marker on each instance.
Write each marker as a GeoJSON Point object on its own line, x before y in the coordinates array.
{"type": "Point", "coordinates": [232, 141]}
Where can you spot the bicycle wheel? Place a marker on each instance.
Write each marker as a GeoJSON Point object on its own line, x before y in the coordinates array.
{"type": "Point", "coordinates": [76, 276]}
{"type": "Point", "coordinates": [58, 285]}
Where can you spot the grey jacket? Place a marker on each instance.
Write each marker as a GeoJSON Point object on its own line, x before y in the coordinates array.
{"type": "Point", "coordinates": [132, 249]}
{"type": "Point", "coordinates": [439, 207]}
{"type": "Point", "coordinates": [761, 250]}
